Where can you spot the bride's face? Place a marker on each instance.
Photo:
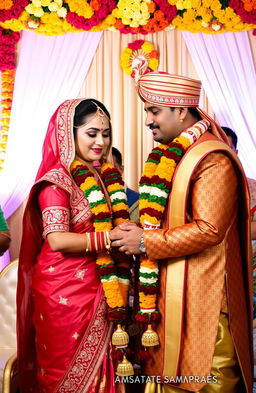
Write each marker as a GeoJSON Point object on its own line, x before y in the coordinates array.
{"type": "Point", "coordinates": [93, 139]}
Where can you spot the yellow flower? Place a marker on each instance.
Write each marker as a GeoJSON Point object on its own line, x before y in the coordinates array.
{"type": "Point", "coordinates": [180, 5]}
{"type": "Point", "coordinates": [30, 8]}
{"type": "Point", "coordinates": [143, 203]}
{"type": "Point", "coordinates": [106, 166]}
{"type": "Point", "coordinates": [147, 47]}
{"type": "Point", "coordinates": [146, 217]}
{"type": "Point", "coordinates": [187, 4]}
{"type": "Point", "coordinates": [196, 3]}
{"type": "Point", "coordinates": [102, 226]}
{"type": "Point", "coordinates": [119, 206]}
{"type": "Point", "coordinates": [6, 4]}
{"type": "Point", "coordinates": [53, 6]}
{"type": "Point", "coordinates": [216, 5]}
{"type": "Point", "coordinates": [147, 301]}
{"type": "Point", "coordinates": [81, 7]}
{"type": "Point", "coordinates": [113, 295]}
{"type": "Point", "coordinates": [102, 208]}
{"type": "Point", "coordinates": [88, 183]}
{"type": "Point", "coordinates": [37, 3]}
{"type": "Point", "coordinates": [150, 264]}
{"type": "Point", "coordinates": [113, 187]}
{"type": "Point", "coordinates": [183, 140]}
{"type": "Point", "coordinates": [153, 64]}
{"type": "Point", "coordinates": [45, 3]}
{"type": "Point", "coordinates": [149, 169]}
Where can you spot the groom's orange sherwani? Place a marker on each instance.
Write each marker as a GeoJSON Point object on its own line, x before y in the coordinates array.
{"type": "Point", "coordinates": [204, 261]}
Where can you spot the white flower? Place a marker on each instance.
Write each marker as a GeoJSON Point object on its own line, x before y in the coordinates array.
{"type": "Point", "coordinates": [39, 12]}
{"type": "Point", "coordinates": [53, 6]}
{"type": "Point", "coordinates": [123, 281]}
{"type": "Point", "coordinates": [148, 270]}
{"type": "Point", "coordinates": [148, 280]}
{"type": "Point", "coordinates": [118, 195]}
{"type": "Point", "coordinates": [204, 24]}
{"type": "Point", "coordinates": [62, 12]}
{"type": "Point", "coordinates": [112, 278]}
{"type": "Point", "coordinates": [37, 3]}
{"type": "Point", "coordinates": [215, 27]}
{"type": "Point", "coordinates": [145, 189]}
{"type": "Point", "coordinates": [95, 196]}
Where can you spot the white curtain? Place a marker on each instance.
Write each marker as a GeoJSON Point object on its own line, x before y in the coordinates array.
{"type": "Point", "coordinates": [225, 65]}
{"type": "Point", "coordinates": [50, 70]}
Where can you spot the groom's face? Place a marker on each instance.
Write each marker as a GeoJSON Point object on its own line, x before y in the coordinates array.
{"type": "Point", "coordinates": [163, 121]}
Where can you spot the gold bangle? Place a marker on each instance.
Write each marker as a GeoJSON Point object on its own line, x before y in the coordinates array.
{"type": "Point", "coordinates": [107, 240]}
{"type": "Point", "coordinates": [88, 242]}
{"type": "Point", "coordinates": [95, 241]}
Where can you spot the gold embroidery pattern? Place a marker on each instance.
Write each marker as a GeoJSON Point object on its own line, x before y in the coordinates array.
{"type": "Point", "coordinates": [55, 219]}
{"type": "Point", "coordinates": [85, 363]}
{"type": "Point", "coordinates": [65, 131]}
{"type": "Point", "coordinates": [79, 206]}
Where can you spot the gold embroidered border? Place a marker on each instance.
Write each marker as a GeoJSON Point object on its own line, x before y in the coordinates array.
{"type": "Point", "coordinates": [80, 210]}
{"type": "Point", "coordinates": [55, 219]}
{"type": "Point", "coordinates": [64, 132]}
{"type": "Point", "coordinates": [89, 356]}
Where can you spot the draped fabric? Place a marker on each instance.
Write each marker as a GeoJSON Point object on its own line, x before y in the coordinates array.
{"type": "Point", "coordinates": [224, 63]}
{"type": "Point", "coordinates": [63, 332]}
{"type": "Point", "coordinates": [49, 71]}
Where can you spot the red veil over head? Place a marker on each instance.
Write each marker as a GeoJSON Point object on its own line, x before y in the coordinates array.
{"type": "Point", "coordinates": [58, 154]}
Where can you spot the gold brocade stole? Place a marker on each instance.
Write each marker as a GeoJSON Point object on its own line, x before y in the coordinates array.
{"type": "Point", "coordinates": [176, 267]}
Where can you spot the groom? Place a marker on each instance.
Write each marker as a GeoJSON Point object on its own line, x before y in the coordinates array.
{"type": "Point", "coordinates": [202, 245]}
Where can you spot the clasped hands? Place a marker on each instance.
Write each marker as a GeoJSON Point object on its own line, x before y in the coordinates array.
{"type": "Point", "coordinates": [126, 237]}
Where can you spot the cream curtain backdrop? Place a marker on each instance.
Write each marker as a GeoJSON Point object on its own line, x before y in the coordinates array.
{"type": "Point", "coordinates": [107, 82]}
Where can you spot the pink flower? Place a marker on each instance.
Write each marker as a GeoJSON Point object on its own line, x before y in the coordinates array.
{"type": "Point", "coordinates": [246, 16]}
{"type": "Point", "coordinates": [15, 11]}
{"type": "Point", "coordinates": [136, 44]}
{"type": "Point", "coordinates": [82, 23]}
{"type": "Point", "coordinates": [8, 40]}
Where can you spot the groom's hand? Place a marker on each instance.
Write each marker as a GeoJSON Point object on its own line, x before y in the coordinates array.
{"type": "Point", "coordinates": [127, 239]}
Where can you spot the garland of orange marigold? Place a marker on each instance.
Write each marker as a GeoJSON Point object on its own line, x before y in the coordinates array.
{"type": "Point", "coordinates": [114, 278]}
{"type": "Point", "coordinates": [155, 186]}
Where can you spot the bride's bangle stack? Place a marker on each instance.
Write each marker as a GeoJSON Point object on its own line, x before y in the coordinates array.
{"type": "Point", "coordinates": [97, 241]}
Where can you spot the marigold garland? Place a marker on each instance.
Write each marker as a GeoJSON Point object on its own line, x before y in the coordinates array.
{"type": "Point", "coordinates": [133, 16]}
{"type": "Point", "coordinates": [246, 9]}
{"type": "Point", "coordinates": [137, 52]}
{"type": "Point", "coordinates": [155, 186]}
{"type": "Point", "coordinates": [160, 12]}
{"type": "Point", "coordinates": [114, 278]}
{"type": "Point", "coordinates": [100, 10]}
{"type": "Point", "coordinates": [38, 8]}
{"type": "Point", "coordinates": [8, 41]}
{"type": "Point", "coordinates": [207, 16]}
{"type": "Point", "coordinates": [11, 9]}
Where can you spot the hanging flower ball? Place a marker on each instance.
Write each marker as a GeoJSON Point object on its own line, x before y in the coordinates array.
{"type": "Point", "coordinates": [139, 57]}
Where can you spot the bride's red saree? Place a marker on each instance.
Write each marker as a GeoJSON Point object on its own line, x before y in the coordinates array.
{"type": "Point", "coordinates": [63, 332]}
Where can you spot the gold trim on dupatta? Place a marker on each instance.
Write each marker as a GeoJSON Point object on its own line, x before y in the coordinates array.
{"type": "Point", "coordinates": [176, 267]}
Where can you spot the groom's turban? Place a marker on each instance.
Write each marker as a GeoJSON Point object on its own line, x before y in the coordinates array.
{"type": "Point", "coordinates": [165, 89]}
